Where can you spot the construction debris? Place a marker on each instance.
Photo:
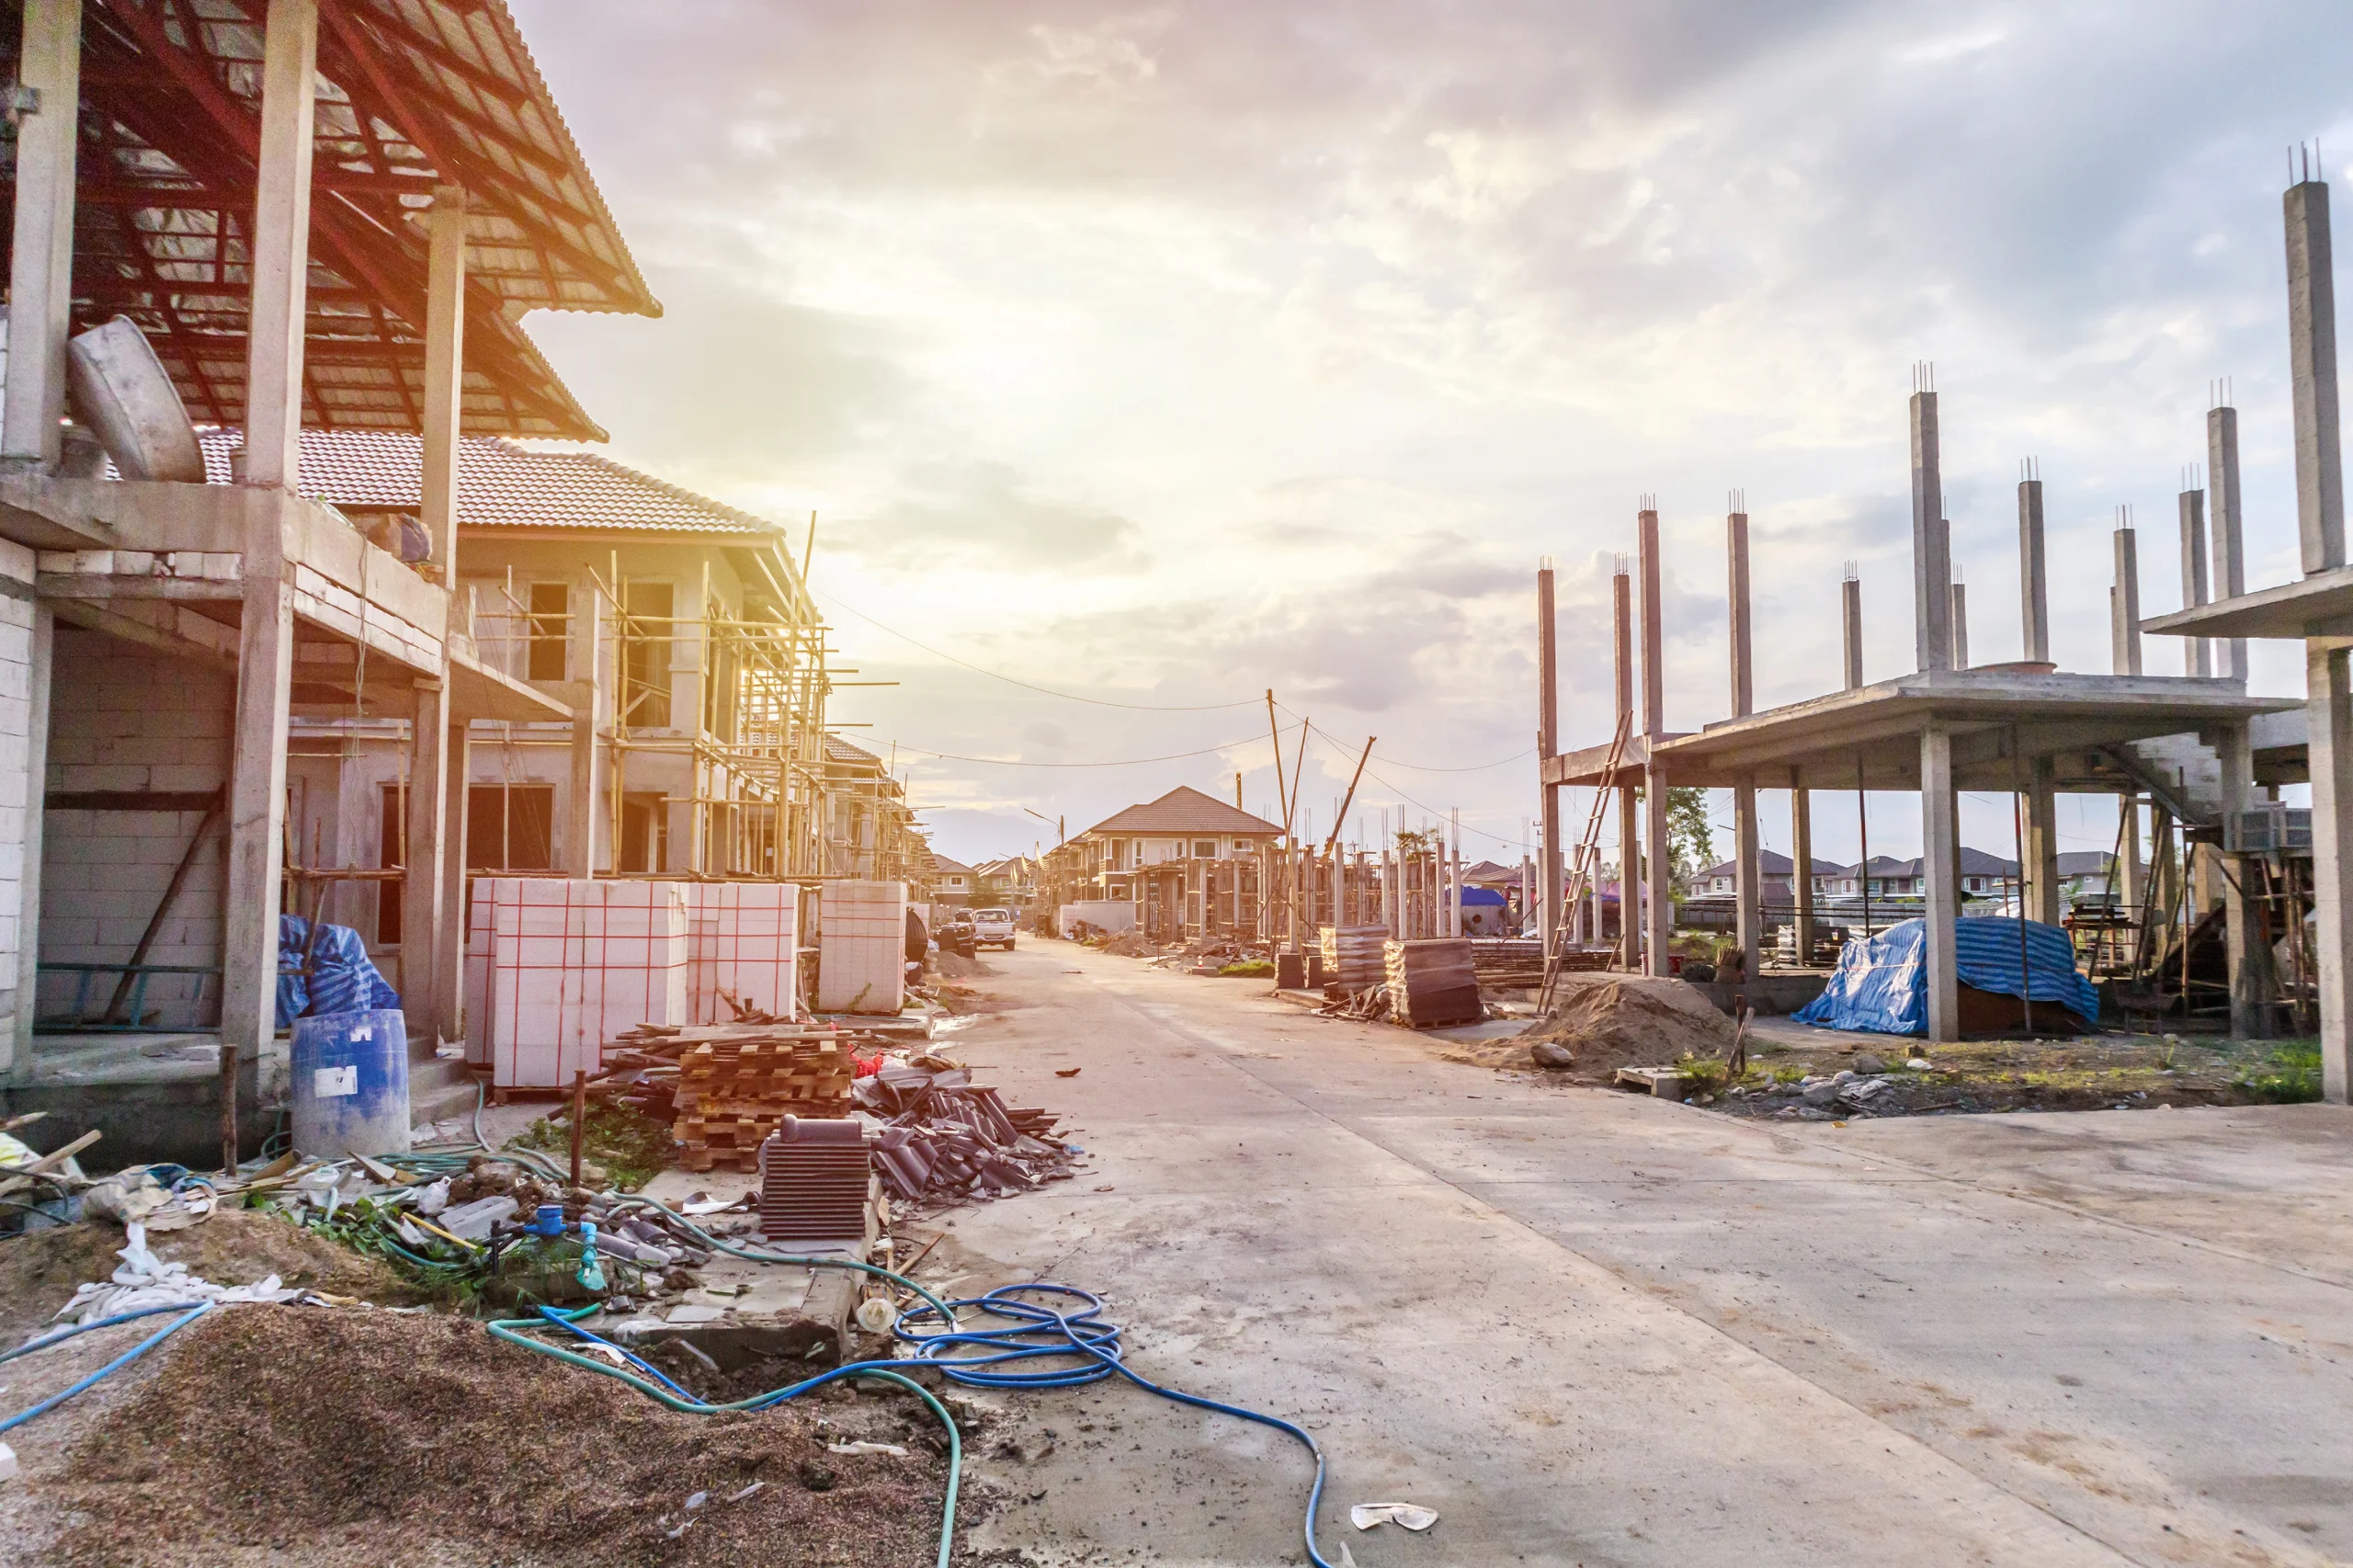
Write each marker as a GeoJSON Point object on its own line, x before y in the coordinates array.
{"type": "Point", "coordinates": [145, 1280]}
{"type": "Point", "coordinates": [1609, 1021]}
{"type": "Point", "coordinates": [946, 1140]}
{"type": "Point", "coordinates": [729, 1085]}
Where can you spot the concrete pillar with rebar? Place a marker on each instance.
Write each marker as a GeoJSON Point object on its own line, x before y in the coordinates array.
{"type": "Point", "coordinates": [1658, 903]}
{"type": "Point", "coordinates": [1548, 720]}
{"type": "Point", "coordinates": [1931, 539]}
{"type": "Point", "coordinates": [2125, 603]}
{"type": "Point", "coordinates": [2196, 659]}
{"type": "Point", "coordinates": [1939, 838]}
{"type": "Point", "coordinates": [2034, 583]}
{"type": "Point", "coordinates": [1621, 610]}
{"type": "Point", "coordinates": [1748, 917]}
{"type": "Point", "coordinates": [1850, 625]}
{"type": "Point", "coordinates": [2223, 518]}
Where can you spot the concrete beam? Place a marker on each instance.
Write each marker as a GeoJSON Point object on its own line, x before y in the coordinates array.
{"type": "Point", "coordinates": [1931, 541]}
{"type": "Point", "coordinates": [281, 246]}
{"type": "Point", "coordinates": [2196, 659]}
{"type": "Point", "coordinates": [2034, 583]}
{"type": "Point", "coordinates": [2312, 364]}
{"type": "Point", "coordinates": [40, 270]}
{"type": "Point", "coordinates": [1959, 625]}
{"type": "Point", "coordinates": [1652, 631]}
{"type": "Point", "coordinates": [1938, 842]}
{"type": "Point", "coordinates": [2252, 985]}
{"type": "Point", "coordinates": [2329, 731]}
{"type": "Point", "coordinates": [1743, 680]}
{"type": "Point", "coordinates": [2124, 608]}
{"type": "Point", "coordinates": [2230, 545]}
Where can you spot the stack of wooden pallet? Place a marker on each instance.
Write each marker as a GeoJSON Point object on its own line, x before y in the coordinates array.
{"type": "Point", "coordinates": [1432, 983]}
{"type": "Point", "coordinates": [735, 1090]}
{"type": "Point", "coordinates": [1352, 955]}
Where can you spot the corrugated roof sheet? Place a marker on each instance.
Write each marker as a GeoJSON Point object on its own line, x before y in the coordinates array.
{"type": "Point", "coordinates": [500, 485]}
{"type": "Point", "coordinates": [1185, 810]}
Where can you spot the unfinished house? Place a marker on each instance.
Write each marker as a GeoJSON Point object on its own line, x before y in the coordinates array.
{"type": "Point", "coordinates": [1190, 864]}
{"type": "Point", "coordinates": [869, 831]}
{"type": "Point", "coordinates": [313, 215]}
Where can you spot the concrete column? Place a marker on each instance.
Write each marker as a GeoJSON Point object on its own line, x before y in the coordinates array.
{"type": "Point", "coordinates": [40, 272]}
{"type": "Point", "coordinates": [1652, 633]}
{"type": "Point", "coordinates": [2034, 582]}
{"type": "Point", "coordinates": [2194, 657]}
{"type": "Point", "coordinates": [1960, 624]}
{"type": "Point", "coordinates": [1802, 854]}
{"type": "Point", "coordinates": [1630, 916]}
{"type": "Point", "coordinates": [445, 355]}
{"type": "Point", "coordinates": [39, 657]}
{"type": "Point", "coordinates": [257, 795]}
{"type": "Point", "coordinates": [1931, 541]}
{"type": "Point", "coordinates": [1658, 904]}
{"type": "Point", "coordinates": [1749, 895]}
{"type": "Point", "coordinates": [2252, 986]}
{"type": "Point", "coordinates": [1548, 735]}
{"type": "Point", "coordinates": [449, 936]}
{"type": "Point", "coordinates": [427, 842]}
{"type": "Point", "coordinates": [2312, 364]}
{"type": "Point", "coordinates": [2133, 872]}
{"type": "Point", "coordinates": [2329, 710]}
{"type": "Point", "coordinates": [281, 246]}
{"type": "Point", "coordinates": [2230, 547]}
{"type": "Point", "coordinates": [1850, 615]}
{"type": "Point", "coordinates": [1744, 682]}
{"type": "Point", "coordinates": [2040, 871]}
{"type": "Point", "coordinates": [2124, 608]}
{"type": "Point", "coordinates": [586, 812]}
{"type": "Point", "coordinates": [1937, 839]}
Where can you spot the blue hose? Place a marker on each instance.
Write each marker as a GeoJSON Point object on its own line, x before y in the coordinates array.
{"type": "Point", "coordinates": [119, 1362]}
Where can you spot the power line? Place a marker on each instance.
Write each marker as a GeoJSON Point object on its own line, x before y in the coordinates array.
{"type": "Point", "coordinates": [1125, 762]}
{"type": "Point", "coordinates": [1043, 690]}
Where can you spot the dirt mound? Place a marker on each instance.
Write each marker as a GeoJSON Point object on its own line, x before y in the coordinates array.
{"type": "Point", "coordinates": [1627, 1020]}
{"type": "Point", "coordinates": [39, 1270]}
{"type": "Point", "coordinates": [956, 966]}
{"type": "Point", "coordinates": [1131, 945]}
{"type": "Point", "coordinates": [349, 1439]}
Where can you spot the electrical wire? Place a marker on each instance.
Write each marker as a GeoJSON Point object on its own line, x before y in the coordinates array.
{"type": "Point", "coordinates": [1025, 686]}
{"type": "Point", "coordinates": [1127, 762]}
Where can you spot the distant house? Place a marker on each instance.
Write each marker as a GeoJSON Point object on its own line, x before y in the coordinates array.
{"type": "Point", "coordinates": [1981, 876]}
{"type": "Point", "coordinates": [1184, 860]}
{"type": "Point", "coordinates": [952, 882]}
{"type": "Point", "coordinates": [2088, 875]}
{"type": "Point", "coordinates": [1778, 873]}
{"type": "Point", "coordinates": [1009, 883]}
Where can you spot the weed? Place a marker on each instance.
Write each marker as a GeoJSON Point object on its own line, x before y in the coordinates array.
{"type": "Point", "coordinates": [631, 1147]}
{"type": "Point", "coordinates": [1706, 1072]}
{"type": "Point", "coordinates": [2291, 1076]}
{"type": "Point", "coordinates": [1249, 968]}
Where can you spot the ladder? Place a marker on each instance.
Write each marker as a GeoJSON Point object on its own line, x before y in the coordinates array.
{"type": "Point", "coordinates": [1587, 863]}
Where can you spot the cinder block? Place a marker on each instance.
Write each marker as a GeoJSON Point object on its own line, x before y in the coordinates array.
{"type": "Point", "coordinates": [192, 777]}
{"type": "Point", "coordinates": [82, 776]}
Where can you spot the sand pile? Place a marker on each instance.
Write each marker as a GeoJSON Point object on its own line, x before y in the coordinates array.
{"type": "Point", "coordinates": [40, 1269]}
{"type": "Point", "coordinates": [355, 1439]}
{"type": "Point", "coordinates": [1628, 1020]}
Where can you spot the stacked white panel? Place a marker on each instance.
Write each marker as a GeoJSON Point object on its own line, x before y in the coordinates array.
{"type": "Point", "coordinates": [572, 964]}
{"type": "Point", "coordinates": [477, 978]}
{"type": "Point", "coordinates": [861, 947]}
{"type": "Point", "coordinates": [746, 944]}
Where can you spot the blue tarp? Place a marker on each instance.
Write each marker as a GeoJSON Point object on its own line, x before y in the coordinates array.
{"type": "Point", "coordinates": [1881, 982]}
{"type": "Point", "coordinates": [1479, 898]}
{"type": "Point", "coordinates": [341, 978]}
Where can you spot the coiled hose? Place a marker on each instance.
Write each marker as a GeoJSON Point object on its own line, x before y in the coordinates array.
{"type": "Point", "coordinates": [1037, 1345]}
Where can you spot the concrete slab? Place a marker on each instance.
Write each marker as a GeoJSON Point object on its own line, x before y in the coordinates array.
{"type": "Point", "coordinates": [1607, 1329]}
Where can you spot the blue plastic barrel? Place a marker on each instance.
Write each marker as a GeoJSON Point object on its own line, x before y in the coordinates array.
{"type": "Point", "coordinates": [350, 1084]}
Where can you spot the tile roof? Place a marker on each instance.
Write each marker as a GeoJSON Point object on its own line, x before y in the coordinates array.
{"type": "Point", "coordinates": [500, 485]}
{"type": "Point", "coordinates": [1185, 810]}
{"type": "Point", "coordinates": [840, 750]}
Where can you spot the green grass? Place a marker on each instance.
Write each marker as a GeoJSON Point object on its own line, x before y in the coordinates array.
{"type": "Point", "coordinates": [2289, 1074]}
{"type": "Point", "coordinates": [1250, 968]}
{"type": "Point", "coordinates": [631, 1147]}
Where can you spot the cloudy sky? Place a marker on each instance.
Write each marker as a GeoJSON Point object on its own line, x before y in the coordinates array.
{"type": "Point", "coordinates": [1161, 356]}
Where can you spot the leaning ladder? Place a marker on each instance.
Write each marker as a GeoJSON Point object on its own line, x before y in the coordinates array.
{"type": "Point", "coordinates": [1587, 860]}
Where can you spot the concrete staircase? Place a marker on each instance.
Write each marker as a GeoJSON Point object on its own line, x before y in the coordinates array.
{"type": "Point", "coordinates": [2192, 772]}
{"type": "Point", "coordinates": [440, 1090]}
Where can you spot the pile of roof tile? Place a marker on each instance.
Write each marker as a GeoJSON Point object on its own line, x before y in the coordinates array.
{"type": "Point", "coordinates": [945, 1139]}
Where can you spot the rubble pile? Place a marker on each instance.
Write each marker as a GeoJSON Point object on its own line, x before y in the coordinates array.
{"type": "Point", "coordinates": [946, 1140]}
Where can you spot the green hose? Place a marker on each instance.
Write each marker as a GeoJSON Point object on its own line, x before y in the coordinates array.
{"type": "Point", "coordinates": [506, 1328]}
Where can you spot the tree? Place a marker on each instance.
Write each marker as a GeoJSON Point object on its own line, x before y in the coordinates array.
{"type": "Point", "coordinates": [1691, 844]}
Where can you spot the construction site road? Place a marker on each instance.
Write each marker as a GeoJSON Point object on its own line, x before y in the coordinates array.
{"type": "Point", "coordinates": [1595, 1328]}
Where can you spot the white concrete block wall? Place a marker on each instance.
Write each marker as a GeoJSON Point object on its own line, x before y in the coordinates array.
{"type": "Point", "coordinates": [123, 718]}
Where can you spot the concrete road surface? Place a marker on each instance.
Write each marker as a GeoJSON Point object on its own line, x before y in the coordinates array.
{"type": "Point", "coordinates": [1591, 1328]}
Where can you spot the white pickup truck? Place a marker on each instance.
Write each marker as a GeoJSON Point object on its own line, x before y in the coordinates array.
{"type": "Point", "coordinates": [992, 928]}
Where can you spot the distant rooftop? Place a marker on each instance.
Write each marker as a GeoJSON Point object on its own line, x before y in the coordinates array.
{"type": "Point", "coordinates": [1185, 810]}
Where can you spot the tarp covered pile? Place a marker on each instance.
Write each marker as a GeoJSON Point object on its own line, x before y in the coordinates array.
{"type": "Point", "coordinates": [945, 1137]}
{"type": "Point", "coordinates": [1881, 982]}
{"type": "Point", "coordinates": [327, 970]}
